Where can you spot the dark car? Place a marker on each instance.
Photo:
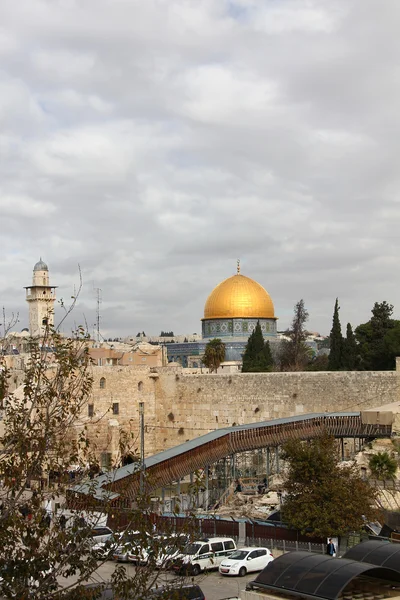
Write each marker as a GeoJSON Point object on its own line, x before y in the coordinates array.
{"type": "Point", "coordinates": [185, 592]}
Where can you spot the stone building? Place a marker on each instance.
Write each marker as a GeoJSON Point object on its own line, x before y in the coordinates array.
{"type": "Point", "coordinates": [150, 355]}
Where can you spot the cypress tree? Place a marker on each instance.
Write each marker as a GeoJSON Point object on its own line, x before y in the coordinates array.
{"type": "Point", "coordinates": [257, 356]}
{"type": "Point", "coordinates": [268, 358]}
{"type": "Point", "coordinates": [336, 341]}
{"type": "Point", "coordinates": [350, 353]}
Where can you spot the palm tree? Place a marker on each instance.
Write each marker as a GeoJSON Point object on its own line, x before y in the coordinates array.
{"type": "Point", "coordinates": [214, 354]}
{"type": "Point", "coordinates": [383, 466]}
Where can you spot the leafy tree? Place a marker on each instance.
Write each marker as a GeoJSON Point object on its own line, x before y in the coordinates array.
{"type": "Point", "coordinates": [336, 342]}
{"type": "Point", "coordinates": [42, 435]}
{"type": "Point", "coordinates": [257, 356]}
{"type": "Point", "coordinates": [322, 497]}
{"type": "Point", "coordinates": [214, 354]}
{"type": "Point", "coordinates": [319, 363]}
{"type": "Point", "coordinates": [383, 466]}
{"type": "Point", "coordinates": [379, 339]}
{"type": "Point", "coordinates": [350, 351]}
{"type": "Point", "coordinates": [294, 353]}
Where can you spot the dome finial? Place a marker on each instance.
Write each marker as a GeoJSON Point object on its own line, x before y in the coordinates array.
{"type": "Point", "coordinates": [238, 266]}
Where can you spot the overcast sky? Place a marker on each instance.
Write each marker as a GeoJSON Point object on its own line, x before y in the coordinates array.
{"type": "Point", "coordinates": [155, 142]}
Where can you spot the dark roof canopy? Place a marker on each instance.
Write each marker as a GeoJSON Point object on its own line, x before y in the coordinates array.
{"type": "Point", "coordinates": [317, 576]}
{"type": "Point", "coordinates": [376, 552]}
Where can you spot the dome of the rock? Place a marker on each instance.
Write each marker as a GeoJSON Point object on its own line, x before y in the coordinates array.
{"type": "Point", "coordinates": [234, 308]}
{"type": "Point", "coordinates": [239, 297]}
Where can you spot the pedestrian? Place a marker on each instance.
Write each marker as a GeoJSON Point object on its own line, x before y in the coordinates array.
{"type": "Point", "coordinates": [238, 486]}
{"type": "Point", "coordinates": [63, 522]}
{"type": "Point", "coordinates": [330, 548]}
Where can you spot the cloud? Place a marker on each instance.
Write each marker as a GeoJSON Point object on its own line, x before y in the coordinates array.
{"type": "Point", "coordinates": [155, 143]}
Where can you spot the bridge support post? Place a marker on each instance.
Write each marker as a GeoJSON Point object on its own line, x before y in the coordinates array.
{"type": "Point", "coordinates": [225, 477]}
{"type": "Point", "coordinates": [278, 468]}
{"type": "Point", "coordinates": [233, 466]}
{"type": "Point", "coordinates": [206, 493]}
{"type": "Point", "coordinates": [268, 465]}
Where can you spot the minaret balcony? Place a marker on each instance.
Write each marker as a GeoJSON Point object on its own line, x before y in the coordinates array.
{"type": "Point", "coordinates": [40, 294]}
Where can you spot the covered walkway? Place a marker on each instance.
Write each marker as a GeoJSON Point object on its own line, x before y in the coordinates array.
{"type": "Point", "coordinates": [176, 463]}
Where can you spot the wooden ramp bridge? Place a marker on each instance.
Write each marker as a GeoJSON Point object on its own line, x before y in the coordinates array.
{"type": "Point", "coordinates": [120, 486]}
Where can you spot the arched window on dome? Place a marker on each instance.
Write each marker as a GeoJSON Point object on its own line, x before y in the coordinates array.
{"type": "Point", "coordinates": [102, 383]}
{"type": "Point", "coordinates": [140, 386]}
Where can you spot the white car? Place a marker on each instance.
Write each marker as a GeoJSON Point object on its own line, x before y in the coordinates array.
{"type": "Point", "coordinates": [170, 549]}
{"type": "Point", "coordinates": [246, 560]}
{"type": "Point", "coordinates": [127, 544]}
{"type": "Point", "coordinates": [105, 550]}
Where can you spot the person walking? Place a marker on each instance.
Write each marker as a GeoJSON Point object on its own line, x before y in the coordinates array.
{"type": "Point", "coordinates": [330, 548]}
{"type": "Point", "coordinates": [62, 521]}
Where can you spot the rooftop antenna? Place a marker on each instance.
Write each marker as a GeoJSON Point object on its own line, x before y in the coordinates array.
{"type": "Point", "coordinates": [99, 300]}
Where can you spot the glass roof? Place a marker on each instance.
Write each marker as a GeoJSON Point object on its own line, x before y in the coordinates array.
{"type": "Point", "coordinates": [317, 575]}
{"type": "Point", "coordinates": [376, 552]}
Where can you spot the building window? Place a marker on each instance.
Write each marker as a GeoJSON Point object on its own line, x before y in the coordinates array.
{"type": "Point", "coordinates": [90, 410]}
{"type": "Point", "coordinates": [102, 383]}
{"type": "Point", "coordinates": [115, 408]}
{"type": "Point", "coordinates": [140, 386]}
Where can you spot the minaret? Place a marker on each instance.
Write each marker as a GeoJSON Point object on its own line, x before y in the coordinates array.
{"type": "Point", "coordinates": [40, 297]}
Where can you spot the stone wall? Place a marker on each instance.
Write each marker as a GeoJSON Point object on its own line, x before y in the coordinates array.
{"type": "Point", "coordinates": [180, 406]}
{"type": "Point", "coordinates": [124, 387]}
{"type": "Point", "coordinates": [201, 403]}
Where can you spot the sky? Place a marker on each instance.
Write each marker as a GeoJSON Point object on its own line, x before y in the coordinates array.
{"type": "Point", "coordinates": [152, 144]}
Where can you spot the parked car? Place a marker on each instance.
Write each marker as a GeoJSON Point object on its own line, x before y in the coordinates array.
{"type": "Point", "coordinates": [245, 560]}
{"type": "Point", "coordinates": [203, 555]}
{"type": "Point", "coordinates": [97, 536]}
{"type": "Point", "coordinates": [127, 545]}
{"type": "Point", "coordinates": [171, 549]}
{"type": "Point", "coordinates": [94, 591]}
{"type": "Point", "coordinates": [101, 534]}
{"type": "Point", "coordinates": [105, 550]}
{"type": "Point", "coordinates": [185, 592]}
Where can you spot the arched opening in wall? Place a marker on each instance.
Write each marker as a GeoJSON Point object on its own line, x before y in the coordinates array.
{"type": "Point", "coordinates": [140, 386]}
{"type": "Point", "coordinates": [102, 383]}
{"type": "Point", "coordinates": [44, 321]}
{"type": "Point", "coordinates": [129, 459]}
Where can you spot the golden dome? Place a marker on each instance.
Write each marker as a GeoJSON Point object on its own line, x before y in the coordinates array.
{"type": "Point", "coordinates": [239, 297]}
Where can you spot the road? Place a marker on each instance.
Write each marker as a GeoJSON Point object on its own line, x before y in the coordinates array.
{"type": "Point", "coordinates": [214, 585]}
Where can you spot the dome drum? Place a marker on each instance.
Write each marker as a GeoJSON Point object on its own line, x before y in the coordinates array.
{"type": "Point", "coordinates": [237, 328]}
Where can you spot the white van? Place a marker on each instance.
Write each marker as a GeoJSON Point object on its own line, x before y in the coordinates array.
{"type": "Point", "coordinates": [203, 555]}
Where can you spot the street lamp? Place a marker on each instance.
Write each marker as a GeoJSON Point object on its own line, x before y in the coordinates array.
{"type": "Point", "coordinates": [142, 466]}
